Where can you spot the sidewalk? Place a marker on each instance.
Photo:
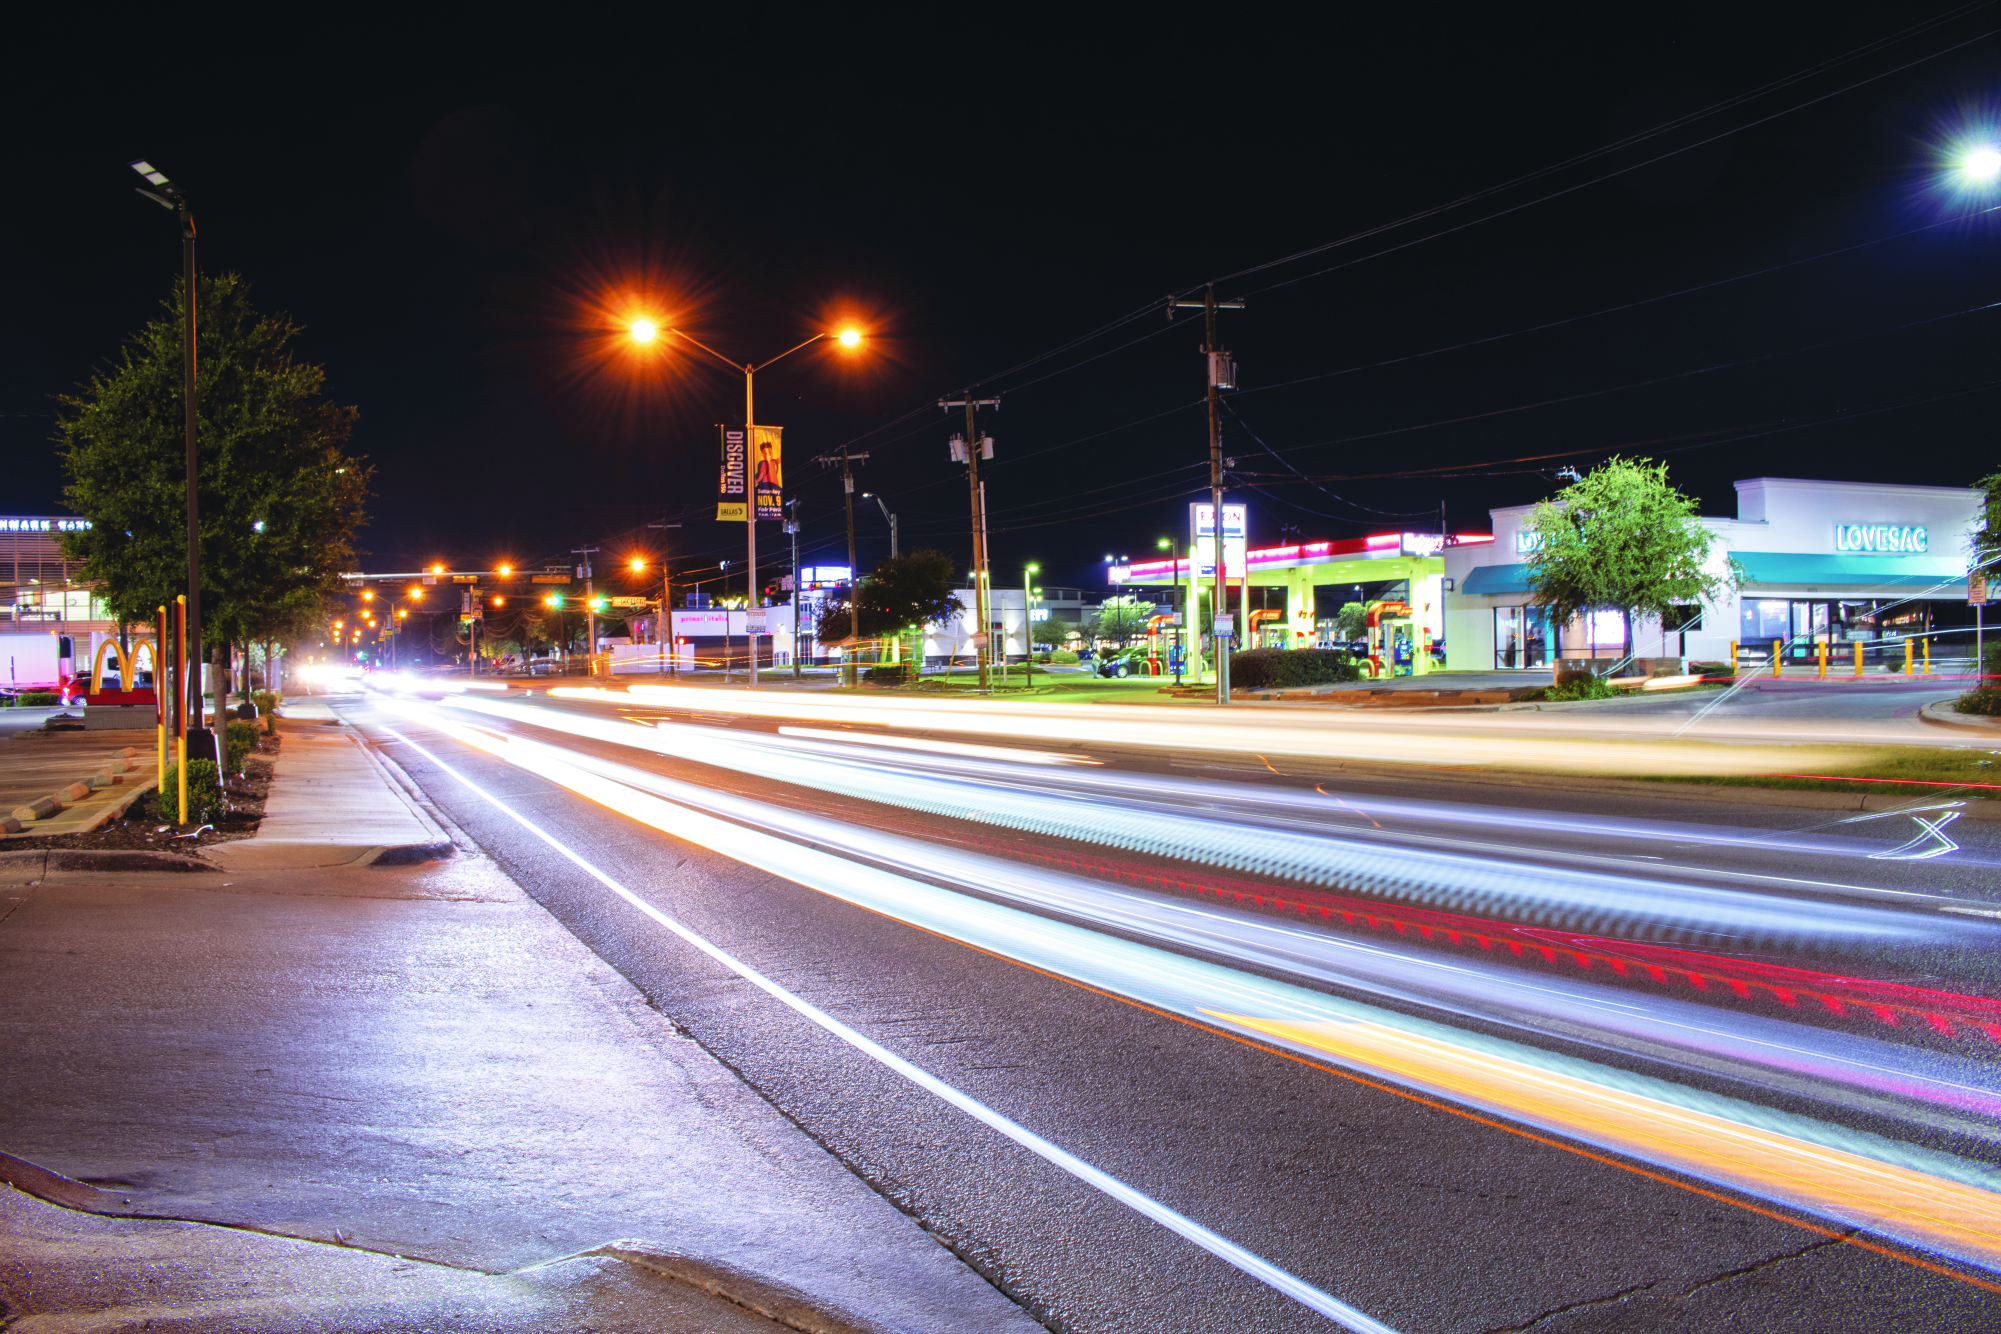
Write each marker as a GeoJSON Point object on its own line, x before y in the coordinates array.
{"type": "Point", "coordinates": [428, 1093]}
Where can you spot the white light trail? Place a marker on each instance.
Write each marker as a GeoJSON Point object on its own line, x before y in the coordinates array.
{"type": "Point", "coordinates": [1921, 1197]}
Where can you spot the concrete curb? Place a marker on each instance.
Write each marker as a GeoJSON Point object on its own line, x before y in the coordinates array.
{"type": "Point", "coordinates": [1943, 714]}
{"type": "Point", "coordinates": [776, 1302]}
{"type": "Point", "coordinates": [112, 773]}
{"type": "Point", "coordinates": [403, 854]}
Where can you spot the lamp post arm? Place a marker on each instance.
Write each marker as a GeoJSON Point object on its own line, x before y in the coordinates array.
{"type": "Point", "coordinates": [789, 351]}
{"type": "Point", "coordinates": [686, 338]}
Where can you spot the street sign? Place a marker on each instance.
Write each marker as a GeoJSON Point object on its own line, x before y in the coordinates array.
{"type": "Point", "coordinates": [465, 578]}
{"type": "Point", "coordinates": [549, 579]}
{"type": "Point", "coordinates": [1226, 625]}
{"type": "Point", "coordinates": [1976, 589]}
{"type": "Point", "coordinates": [753, 620]}
{"type": "Point", "coordinates": [978, 638]}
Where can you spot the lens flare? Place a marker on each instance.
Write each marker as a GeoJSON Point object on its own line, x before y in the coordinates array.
{"type": "Point", "coordinates": [645, 330]}
{"type": "Point", "coordinates": [1982, 164]}
{"type": "Point", "coordinates": [851, 337]}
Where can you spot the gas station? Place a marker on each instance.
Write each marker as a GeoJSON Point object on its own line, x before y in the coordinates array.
{"type": "Point", "coordinates": [1401, 631]}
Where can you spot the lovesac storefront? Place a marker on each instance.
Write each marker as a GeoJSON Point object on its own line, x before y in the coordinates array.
{"type": "Point", "coordinates": [1846, 571]}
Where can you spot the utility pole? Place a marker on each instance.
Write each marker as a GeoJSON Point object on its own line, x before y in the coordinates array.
{"type": "Point", "coordinates": [792, 531]}
{"type": "Point", "coordinates": [666, 606]}
{"type": "Point", "coordinates": [590, 609]}
{"type": "Point", "coordinates": [974, 448]}
{"type": "Point", "coordinates": [854, 583]}
{"type": "Point", "coordinates": [1222, 375]}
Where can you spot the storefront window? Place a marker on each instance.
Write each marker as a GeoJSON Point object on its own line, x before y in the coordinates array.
{"type": "Point", "coordinates": [1766, 619]}
{"type": "Point", "coordinates": [1521, 637]}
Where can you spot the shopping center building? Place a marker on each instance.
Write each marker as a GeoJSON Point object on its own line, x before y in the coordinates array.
{"type": "Point", "coordinates": [1827, 566]}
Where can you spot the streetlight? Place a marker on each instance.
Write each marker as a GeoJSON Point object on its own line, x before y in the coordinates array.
{"type": "Point", "coordinates": [645, 331]}
{"type": "Point", "coordinates": [884, 505]}
{"type": "Point", "coordinates": [170, 196]}
{"type": "Point", "coordinates": [1027, 623]}
{"type": "Point", "coordinates": [1173, 550]}
{"type": "Point", "coordinates": [1981, 165]}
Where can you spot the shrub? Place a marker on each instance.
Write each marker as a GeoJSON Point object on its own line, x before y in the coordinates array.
{"type": "Point", "coordinates": [1986, 701]}
{"type": "Point", "coordinates": [205, 803]}
{"type": "Point", "coordinates": [1582, 687]}
{"type": "Point", "coordinates": [889, 673]}
{"type": "Point", "coordinates": [1276, 668]}
{"type": "Point", "coordinates": [35, 699]}
{"type": "Point", "coordinates": [1064, 655]}
{"type": "Point", "coordinates": [267, 701]}
{"type": "Point", "coordinates": [241, 741]}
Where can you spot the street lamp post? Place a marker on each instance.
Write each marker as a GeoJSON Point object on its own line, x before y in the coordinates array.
{"type": "Point", "coordinates": [887, 516]}
{"type": "Point", "coordinates": [646, 331]}
{"type": "Point", "coordinates": [170, 196]}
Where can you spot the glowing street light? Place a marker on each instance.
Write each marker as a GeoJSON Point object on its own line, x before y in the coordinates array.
{"type": "Point", "coordinates": [637, 565]}
{"type": "Point", "coordinates": [1981, 165]}
{"type": "Point", "coordinates": [645, 331]}
{"type": "Point", "coordinates": [504, 571]}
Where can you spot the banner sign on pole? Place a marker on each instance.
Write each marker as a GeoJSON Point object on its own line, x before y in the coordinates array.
{"type": "Point", "coordinates": [754, 621]}
{"type": "Point", "coordinates": [730, 495]}
{"type": "Point", "coordinates": [767, 471]}
{"type": "Point", "coordinates": [1976, 589]}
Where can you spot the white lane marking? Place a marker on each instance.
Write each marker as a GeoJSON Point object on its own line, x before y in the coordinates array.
{"type": "Point", "coordinates": [1216, 1244]}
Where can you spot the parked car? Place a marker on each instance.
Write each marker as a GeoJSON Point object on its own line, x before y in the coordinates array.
{"type": "Point", "coordinates": [1122, 662]}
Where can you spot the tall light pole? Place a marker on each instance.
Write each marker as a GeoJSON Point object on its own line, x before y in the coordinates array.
{"type": "Point", "coordinates": [645, 331]}
{"type": "Point", "coordinates": [891, 518]}
{"type": "Point", "coordinates": [170, 196]}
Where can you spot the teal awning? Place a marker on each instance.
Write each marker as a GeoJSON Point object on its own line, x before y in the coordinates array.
{"type": "Point", "coordinates": [1495, 580]}
{"type": "Point", "coordinates": [1857, 571]}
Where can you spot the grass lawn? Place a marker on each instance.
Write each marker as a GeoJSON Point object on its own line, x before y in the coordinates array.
{"type": "Point", "coordinates": [1899, 769]}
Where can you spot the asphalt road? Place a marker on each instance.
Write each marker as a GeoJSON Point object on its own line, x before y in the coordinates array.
{"type": "Point", "coordinates": [1415, 1210]}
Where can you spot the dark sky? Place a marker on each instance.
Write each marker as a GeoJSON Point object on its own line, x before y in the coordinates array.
{"type": "Point", "coordinates": [457, 216]}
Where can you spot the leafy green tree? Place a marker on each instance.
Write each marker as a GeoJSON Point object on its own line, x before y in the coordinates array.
{"type": "Point", "coordinates": [280, 501]}
{"type": "Point", "coordinates": [903, 593]}
{"type": "Point", "coordinates": [1122, 617]}
{"type": "Point", "coordinates": [1352, 621]}
{"type": "Point", "coordinates": [1621, 539]}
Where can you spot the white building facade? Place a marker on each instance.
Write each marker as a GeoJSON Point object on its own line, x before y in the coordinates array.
{"type": "Point", "coordinates": [1827, 566]}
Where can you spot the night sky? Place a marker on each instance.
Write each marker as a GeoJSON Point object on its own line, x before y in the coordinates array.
{"type": "Point", "coordinates": [460, 219]}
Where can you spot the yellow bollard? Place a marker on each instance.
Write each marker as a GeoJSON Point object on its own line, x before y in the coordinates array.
{"type": "Point", "coordinates": [1823, 659]}
{"type": "Point", "coordinates": [1733, 657]}
{"type": "Point", "coordinates": [1910, 657]}
{"type": "Point", "coordinates": [1926, 644]}
{"type": "Point", "coordinates": [1858, 660]}
{"type": "Point", "coordinates": [1775, 659]}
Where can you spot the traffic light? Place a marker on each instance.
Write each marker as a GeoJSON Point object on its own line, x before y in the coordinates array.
{"type": "Point", "coordinates": [554, 599]}
{"type": "Point", "coordinates": [597, 604]}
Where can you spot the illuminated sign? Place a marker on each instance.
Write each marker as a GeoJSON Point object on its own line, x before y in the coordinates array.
{"type": "Point", "coordinates": [44, 525]}
{"type": "Point", "coordinates": [1202, 540]}
{"type": "Point", "coordinates": [1525, 542]}
{"type": "Point", "coordinates": [1880, 538]}
{"type": "Point", "coordinates": [1423, 544]}
{"type": "Point", "coordinates": [824, 576]}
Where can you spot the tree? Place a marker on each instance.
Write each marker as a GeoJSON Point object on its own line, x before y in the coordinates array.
{"type": "Point", "coordinates": [1352, 621]}
{"type": "Point", "coordinates": [1987, 537]}
{"type": "Point", "coordinates": [280, 501]}
{"type": "Point", "coordinates": [1119, 617]}
{"type": "Point", "coordinates": [1621, 539]}
{"type": "Point", "coordinates": [903, 593]}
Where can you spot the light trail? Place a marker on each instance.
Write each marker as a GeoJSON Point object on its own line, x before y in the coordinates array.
{"type": "Point", "coordinates": [1562, 898]}
{"type": "Point", "coordinates": [1281, 732]}
{"type": "Point", "coordinates": [1007, 754]}
{"type": "Point", "coordinates": [692, 826]}
{"type": "Point", "coordinates": [1923, 1198]}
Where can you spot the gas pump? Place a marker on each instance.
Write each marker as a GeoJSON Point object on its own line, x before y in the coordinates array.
{"type": "Point", "coordinates": [1388, 621]}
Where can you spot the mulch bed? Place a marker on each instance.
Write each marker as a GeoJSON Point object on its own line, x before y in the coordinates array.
{"type": "Point", "coordinates": [144, 828]}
